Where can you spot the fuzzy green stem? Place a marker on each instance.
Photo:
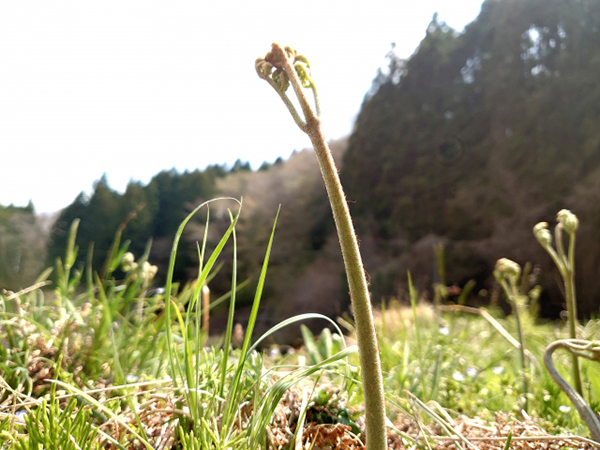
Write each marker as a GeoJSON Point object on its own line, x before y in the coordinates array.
{"type": "Point", "coordinates": [359, 293]}
{"type": "Point", "coordinates": [525, 384]}
{"type": "Point", "coordinates": [566, 267]}
{"type": "Point", "coordinates": [584, 411]}
{"type": "Point", "coordinates": [569, 280]}
{"type": "Point", "coordinates": [512, 294]}
{"type": "Point", "coordinates": [559, 243]}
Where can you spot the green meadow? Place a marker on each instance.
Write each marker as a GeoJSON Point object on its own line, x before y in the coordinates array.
{"type": "Point", "coordinates": [99, 362]}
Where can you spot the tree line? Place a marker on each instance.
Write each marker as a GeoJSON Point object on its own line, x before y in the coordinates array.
{"type": "Point", "coordinates": [468, 143]}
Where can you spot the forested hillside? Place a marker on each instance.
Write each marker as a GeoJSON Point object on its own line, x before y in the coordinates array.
{"type": "Point", "coordinates": [143, 212]}
{"type": "Point", "coordinates": [469, 143]}
{"type": "Point", "coordinates": [22, 246]}
{"type": "Point", "coordinates": [476, 138]}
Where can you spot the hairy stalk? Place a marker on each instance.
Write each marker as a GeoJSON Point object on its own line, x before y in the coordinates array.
{"type": "Point", "coordinates": [569, 279]}
{"type": "Point", "coordinates": [577, 348]}
{"type": "Point", "coordinates": [568, 222]}
{"type": "Point", "coordinates": [525, 384]}
{"type": "Point", "coordinates": [290, 69]}
{"type": "Point", "coordinates": [507, 273]}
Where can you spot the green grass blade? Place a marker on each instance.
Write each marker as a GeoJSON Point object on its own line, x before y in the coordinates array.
{"type": "Point", "coordinates": [104, 409]}
{"type": "Point", "coordinates": [413, 305]}
{"type": "Point", "coordinates": [227, 296]}
{"type": "Point", "coordinates": [292, 320]}
{"type": "Point", "coordinates": [234, 390]}
{"type": "Point", "coordinates": [310, 344]}
{"type": "Point", "coordinates": [171, 270]}
{"type": "Point", "coordinates": [230, 317]}
{"type": "Point", "coordinates": [262, 417]}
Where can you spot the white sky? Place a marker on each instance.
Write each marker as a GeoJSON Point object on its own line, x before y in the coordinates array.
{"type": "Point", "coordinates": [134, 87]}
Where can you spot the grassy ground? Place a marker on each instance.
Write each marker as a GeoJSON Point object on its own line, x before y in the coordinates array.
{"type": "Point", "coordinates": [97, 362]}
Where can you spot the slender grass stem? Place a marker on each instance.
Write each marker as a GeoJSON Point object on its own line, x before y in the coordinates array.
{"type": "Point", "coordinates": [231, 315]}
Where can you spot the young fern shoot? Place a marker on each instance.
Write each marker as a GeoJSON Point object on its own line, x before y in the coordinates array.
{"type": "Point", "coordinates": [282, 68]}
{"type": "Point", "coordinates": [507, 274]}
{"type": "Point", "coordinates": [567, 221]}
